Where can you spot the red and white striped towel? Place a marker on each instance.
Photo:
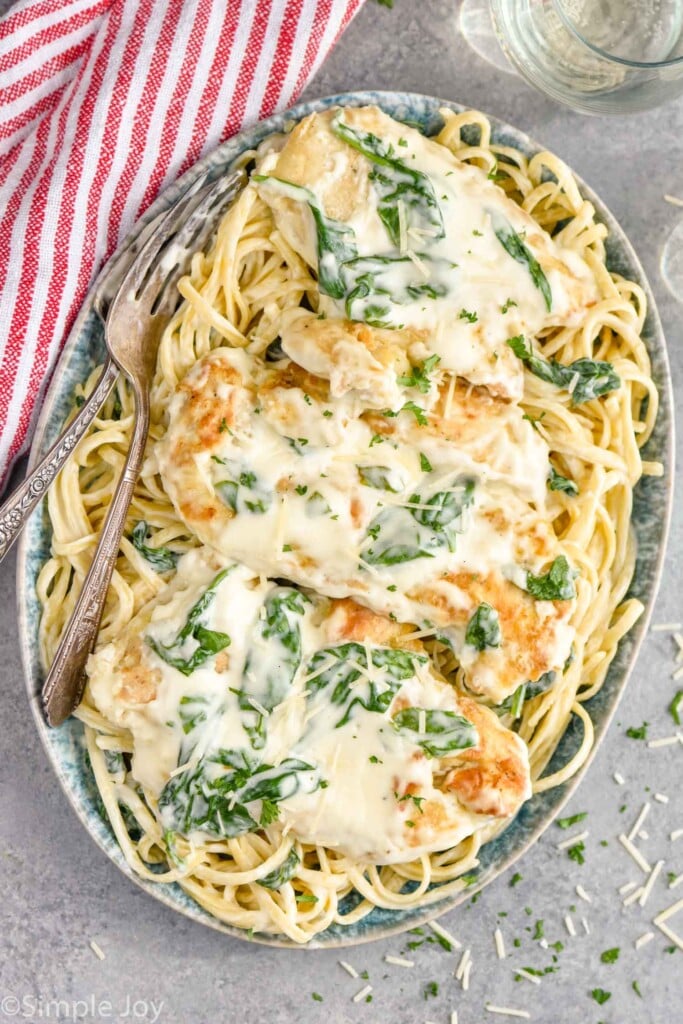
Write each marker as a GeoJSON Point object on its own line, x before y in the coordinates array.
{"type": "Point", "coordinates": [103, 103]}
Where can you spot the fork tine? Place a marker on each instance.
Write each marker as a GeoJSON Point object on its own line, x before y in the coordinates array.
{"type": "Point", "coordinates": [192, 236]}
{"type": "Point", "coordinates": [150, 270]}
{"type": "Point", "coordinates": [115, 269]}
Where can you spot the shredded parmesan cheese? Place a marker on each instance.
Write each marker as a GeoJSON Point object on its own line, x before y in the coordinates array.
{"type": "Point", "coordinates": [644, 939]}
{"type": "Point", "coordinates": [464, 960]}
{"type": "Point", "coordinates": [569, 924]}
{"type": "Point", "coordinates": [441, 931]}
{"type": "Point", "coordinates": [635, 895]}
{"type": "Point", "coordinates": [647, 888]}
{"type": "Point", "coordinates": [398, 961]}
{"type": "Point", "coordinates": [362, 994]}
{"type": "Point", "coordinates": [639, 821]}
{"type": "Point", "coordinates": [627, 888]}
{"type": "Point", "coordinates": [529, 977]}
{"type": "Point", "coordinates": [421, 266]}
{"type": "Point", "coordinates": [97, 950]}
{"type": "Point", "coordinates": [664, 741]}
{"type": "Point", "coordinates": [578, 838]}
{"type": "Point", "coordinates": [402, 233]}
{"type": "Point", "coordinates": [636, 854]}
{"type": "Point", "coordinates": [348, 968]}
{"type": "Point", "coordinates": [507, 1011]}
{"type": "Point", "coordinates": [500, 943]}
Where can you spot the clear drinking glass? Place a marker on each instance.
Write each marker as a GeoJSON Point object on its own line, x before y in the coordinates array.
{"type": "Point", "coordinates": [597, 56]}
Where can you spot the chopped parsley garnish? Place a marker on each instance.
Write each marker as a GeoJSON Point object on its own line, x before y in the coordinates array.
{"type": "Point", "coordinates": [508, 304]}
{"type": "Point", "coordinates": [573, 819]}
{"type": "Point", "coordinates": [419, 376]}
{"type": "Point", "coordinates": [431, 990]}
{"type": "Point", "coordinates": [636, 988]}
{"type": "Point", "coordinates": [426, 467]}
{"type": "Point", "coordinates": [600, 996]}
{"type": "Point", "coordinates": [306, 897]}
{"type": "Point", "coordinates": [557, 482]}
{"type": "Point", "coordinates": [676, 706]}
{"type": "Point", "coordinates": [316, 995]}
{"type": "Point", "coordinates": [222, 426]}
{"type": "Point", "coordinates": [471, 318]}
{"type": "Point", "coordinates": [270, 812]}
{"type": "Point", "coordinates": [639, 733]}
{"type": "Point", "coordinates": [376, 439]}
{"type": "Point", "coordinates": [417, 412]}
{"type": "Point", "coordinates": [515, 879]}
{"type": "Point", "coordinates": [576, 852]}
{"type": "Point", "coordinates": [610, 956]}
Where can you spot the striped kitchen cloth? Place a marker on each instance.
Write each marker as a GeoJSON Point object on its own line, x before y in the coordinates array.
{"type": "Point", "coordinates": [102, 104]}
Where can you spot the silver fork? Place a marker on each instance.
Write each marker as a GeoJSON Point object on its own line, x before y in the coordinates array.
{"type": "Point", "coordinates": [17, 508]}
{"type": "Point", "coordinates": [134, 324]}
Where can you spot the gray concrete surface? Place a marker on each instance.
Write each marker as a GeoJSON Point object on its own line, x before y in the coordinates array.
{"type": "Point", "coordinates": [57, 891]}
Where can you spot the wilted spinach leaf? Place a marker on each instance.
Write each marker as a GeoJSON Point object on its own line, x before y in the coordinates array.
{"type": "Point", "coordinates": [161, 559]}
{"type": "Point", "coordinates": [557, 584]}
{"type": "Point", "coordinates": [209, 641]}
{"type": "Point", "coordinates": [515, 247]}
{"type": "Point", "coordinates": [587, 378]}
{"type": "Point", "coordinates": [341, 670]}
{"type": "Point", "coordinates": [443, 731]}
{"type": "Point", "coordinates": [276, 878]}
{"type": "Point", "coordinates": [483, 629]}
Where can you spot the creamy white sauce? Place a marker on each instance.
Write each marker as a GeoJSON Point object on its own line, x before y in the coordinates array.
{"type": "Point", "coordinates": [310, 497]}
{"type": "Point", "coordinates": [480, 280]}
{"type": "Point", "coordinates": [365, 766]}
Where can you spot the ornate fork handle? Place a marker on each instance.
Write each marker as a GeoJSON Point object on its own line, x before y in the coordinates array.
{"type": "Point", "coordinates": [15, 511]}
{"type": "Point", "coordinates": [65, 681]}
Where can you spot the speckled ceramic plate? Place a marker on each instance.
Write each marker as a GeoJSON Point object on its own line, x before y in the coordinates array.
{"type": "Point", "coordinates": [85, 349]}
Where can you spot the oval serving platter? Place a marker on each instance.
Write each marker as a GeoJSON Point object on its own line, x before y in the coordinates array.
{"type": "Point", "coordinates": [652, 508]}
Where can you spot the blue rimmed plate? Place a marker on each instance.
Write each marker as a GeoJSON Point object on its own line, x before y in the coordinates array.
{"type": "Point", "coordinates": [652, 508]}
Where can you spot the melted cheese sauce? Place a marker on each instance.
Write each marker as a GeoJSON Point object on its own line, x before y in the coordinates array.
{"type": "Point", "coordinates": [456, 284]}
{"type": "Point", "coordinates": [298, 486]}
{"type": "Point", "coordinates": [182, 722]}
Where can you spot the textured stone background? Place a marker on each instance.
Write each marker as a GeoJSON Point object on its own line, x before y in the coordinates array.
{"type": "Point", "coordinates": [57, 891]}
